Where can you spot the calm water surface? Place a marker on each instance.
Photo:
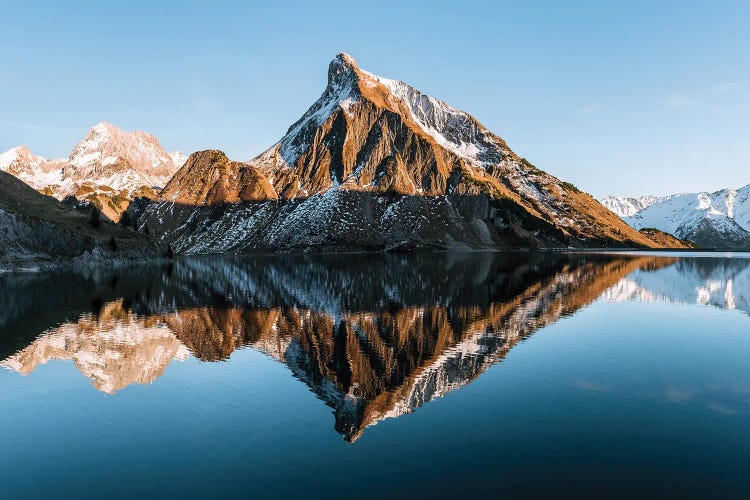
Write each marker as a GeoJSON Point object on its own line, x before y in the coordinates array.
{"type": "Point", "coordinates": [427, 375]}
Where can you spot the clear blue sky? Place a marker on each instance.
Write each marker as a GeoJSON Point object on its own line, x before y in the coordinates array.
{"type": "Point", "coordinates": [616, 97]}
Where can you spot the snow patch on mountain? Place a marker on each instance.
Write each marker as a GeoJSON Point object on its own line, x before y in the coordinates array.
{"type": "Point", "coordinates": [35, 171]}
{"type": "Point", "coordinates": [178, 158]}
{"type": "Point", "coordinates": [452, 128]}
{"type": "Point", "coordinates": [626, 207]}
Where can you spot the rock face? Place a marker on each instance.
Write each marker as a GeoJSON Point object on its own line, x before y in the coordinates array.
{"type": "Point", "coordinates": [210, 178]}
{"type": "Point", "coordinates": [711, 220]}
{"type": "Point", "coordinates": [38, 227]}
{"type": "Point", "coordinates": [108, 168]}
{"type": "Point", "coordinates": [375, 164]}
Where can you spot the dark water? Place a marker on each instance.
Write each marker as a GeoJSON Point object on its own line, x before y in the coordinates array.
{"type": "Point", "coordinates": [427, 375]}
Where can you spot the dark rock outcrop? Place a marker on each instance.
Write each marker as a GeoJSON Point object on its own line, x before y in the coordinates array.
{"type": "Point", "coordinates": [35, 227]}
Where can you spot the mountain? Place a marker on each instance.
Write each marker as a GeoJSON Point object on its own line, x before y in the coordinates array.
{"type": "Point", "coordinates": [711, 220]}
{"type": "Point", "coordinates": [210, 178]}
{"type": "Point", "coordinates": [375, 164]}
{"type": "Point", "coordinates": [108, 168]}
{"type": "Point", "coordinates": [36, 171]}
{"type": "Point", "coordinates": [664, 239]}
{"type": "Point", "coordinates": [119, 159]}
{"type": "Point", "coordinates": [625, 207]}
{"type": "Point", "coordinates": [38, 227]}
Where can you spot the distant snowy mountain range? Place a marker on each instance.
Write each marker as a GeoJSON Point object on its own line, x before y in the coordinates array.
{"type": "Point", "coordinates": [712, 220]}
{"type": "Point", "coordinates": [108, 168]}
{"type": "Point", "coordinates": [627, 207]}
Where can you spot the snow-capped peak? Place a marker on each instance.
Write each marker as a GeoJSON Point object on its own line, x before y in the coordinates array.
{"type": "Point", "coordinates": [89, 149]}
{"type": "Point", "coordinates": [341, 89]}
{"type": "Point", "coordinates": [342, 67]}
{"type": "Point", "coordinates": [18, 154]}
{"type": "Point", "coordinates": [8, 157]}
{"type": "Point", "coordinates": [627, 207]}
{"type": "Point", "coordinates": [718, 219]}
{"type": "Point", "coordinates": [451, 128]}
{"type": "Point", "coordinates": [35, 171]}
{"type": "Point", "coordinates": [108, 163]}
{"type": "Point", "coordinates": [108, 150]}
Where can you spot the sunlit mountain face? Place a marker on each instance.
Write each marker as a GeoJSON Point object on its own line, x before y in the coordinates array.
{"type": "Point", "coordinates": [373, 336]}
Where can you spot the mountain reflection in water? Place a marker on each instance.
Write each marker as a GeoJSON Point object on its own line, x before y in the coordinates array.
{"type": "Point", "coordinates": [373, 336]}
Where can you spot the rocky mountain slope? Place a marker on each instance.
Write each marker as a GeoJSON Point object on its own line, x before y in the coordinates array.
{"type": "Point", "coordinates": [711, 220]}
{"type": "Point", "coordinates": [108, 168]}
{"type": "Point", "coordinates": [38, 227]}
{"type": "Point", "coordinates": [375, 164]}
{"type": "Point", "coordinates": [665, 240]}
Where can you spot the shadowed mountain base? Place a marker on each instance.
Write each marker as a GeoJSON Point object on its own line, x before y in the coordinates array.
{"type": "Point", "coordinates": [38, 227]}
{"type": "Point", "coordinates": [344, 220]}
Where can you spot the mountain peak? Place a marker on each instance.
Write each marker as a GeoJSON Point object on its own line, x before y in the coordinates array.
{"type": "Point", "coordinates": [376, 164]}
{"type": "Point", "coordinates": [341, 68]}
{"type": "Point", "coordinates": [18, 150]}
{"type": "Point", "coordinates": [712, 220]}
{"type": "Point", "coordinates": [111, 131]}
{"type": "Point", "coordinates": [118, 159]}
{"type": "Point", "coordinates": [9, 156]}
{"type": "Point", "coordinates": [17, 156]}
{"type": "Point", "coordinates": [346, 59]}
{"type": "Point", "coordinates": [103, 128]}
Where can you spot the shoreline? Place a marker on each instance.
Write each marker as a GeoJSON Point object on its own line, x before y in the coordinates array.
{"type": "Point", "coordinates": [89, 261]}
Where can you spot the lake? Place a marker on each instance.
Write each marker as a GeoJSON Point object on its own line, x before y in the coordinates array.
{"type": "Point", "coordinates": [440, 375]}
